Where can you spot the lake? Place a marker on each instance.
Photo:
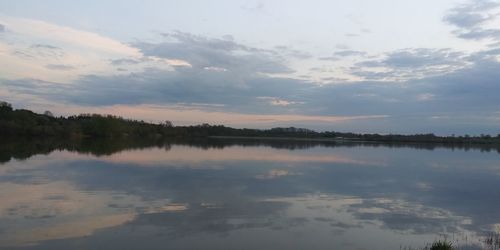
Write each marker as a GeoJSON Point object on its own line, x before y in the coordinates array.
{"type": "Point", "coordinates": [246, 194]}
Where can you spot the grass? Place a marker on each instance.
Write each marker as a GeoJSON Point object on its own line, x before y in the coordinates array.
{"type": "Point", "coordinates": [436, 245]}
{"type": "Point", "coordinates": [461, 241]}
{"type": "Point", "coordinates": [493, 240]}
{"type": "Point", "coordinates": [441, 245]}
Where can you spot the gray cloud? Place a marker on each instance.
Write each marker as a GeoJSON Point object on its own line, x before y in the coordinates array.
{"type": "Point", "coordinates": [478, 34]}
{"type": "Point", "coordinates": [421, 57]}
{"type": "Point", "coordinates": [343, 53]}
{"type": "Point", "coordinates": [350, 53]}
{"type": "Point", "coordinates": [371, 75]}
{"type": "Point", "coordinates": [44, 46]}
{"type": "Point", "coordinates": [411, 64]}
{"type": "Point", "coordinates": [329, 58]}
{"type": "Point", "coordinates": [63, 67]}
{"type": "Point", "coordinates": [203, 52]}
{"type": "Point", "coordinates": [351, 34]}
{"type": "Point", "coordinates": [469, 18]}
{"type": "Point", "coordinates": [2, 28]}
{"type": "Point", "coordinates": [488, 54]}
{"type": "Point", "coordinates": [342, 46]}
{"type": "Point", "coordinates": [290, 52]}
{"type": "Point", "coordinates": [464, 19]}
{"type": "Point", "coordinates": [124, 61]}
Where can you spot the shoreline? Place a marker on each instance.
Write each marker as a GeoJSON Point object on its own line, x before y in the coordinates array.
{"type": "Point", "coordinates": [354, 140]}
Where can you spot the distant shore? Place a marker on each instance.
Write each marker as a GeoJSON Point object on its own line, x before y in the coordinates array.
{"type": "Point", "coordinates": [357, 140]}
{"type": "Point", "coordinates": [281, 138]}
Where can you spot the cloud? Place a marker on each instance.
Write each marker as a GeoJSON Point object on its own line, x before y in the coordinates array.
{"type": "Point", "coordinates": [277, 101]}
{"type": "Point", "coordinates": [67, 35]}
{"type": "Point", "coordinates": [36, 49]}
{"type": "Point", "coordinates": [408, 64]}
{"type": "Point", "coordinates": [59, 67]}
{"type": "Point", "coordinates": [351, 34]}
{"type": "Point", "coordinates": [203, 52]}
{"type": "Point", "coordinates": [328, 58]}
{"type": "Point", "coordinates": [257, 6]}
{"type": "Point", "coordinates": [2, 28]}
{"type": "Point", "coordinates": [124, 61]}
{"type": "Point", "coordinates": [420, 57]}
{"type": "Point", "coordinates": [473, 20]}
{"type": "Point", "coordinates": [287, 51]}
{"type": "Point", "coordinates": [44, 46]}
{"type": "Point", "coordinates": [217, 69]}
{"type": "Point", "coordinates": [425, 97]}
{"type": "Point", "coordinates": [349, 53]}
{"type": "Point", "coordinates": [488, 54]}
{"type": "Point", "coordinates": [478, 34]}
{"type": "Point", "coordinates": [465, 17]}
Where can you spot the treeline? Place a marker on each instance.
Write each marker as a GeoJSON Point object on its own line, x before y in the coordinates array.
{"type": "Point", "coordinates": [29, 124]}
{"type": "Point", "coordinates": [340, 136]}
{"type": "Point", "coordinates": [423, 138]}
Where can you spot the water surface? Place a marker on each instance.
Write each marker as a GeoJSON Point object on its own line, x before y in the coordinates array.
{"type": "Point", "coordinates": [245, 195]}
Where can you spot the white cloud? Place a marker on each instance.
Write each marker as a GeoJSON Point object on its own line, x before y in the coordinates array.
{"type": "Point", "coordinates": [216, 69]}
{"type": "Point", "coordinates": [30, 49]}
{"type": "Point", "coordinates": [67, 36]}
{"type": "Point", "coordinates": [425, 97]}
{"type": "Point", "coordinates": [277, 101]}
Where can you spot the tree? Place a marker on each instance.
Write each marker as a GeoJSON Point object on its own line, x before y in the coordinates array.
{"type": "Point", "coordinates": [168, 124]}
{"type": "Point", "coordinates": [5, 106]}
{"type": "Point", "coordinates": [48, 113]}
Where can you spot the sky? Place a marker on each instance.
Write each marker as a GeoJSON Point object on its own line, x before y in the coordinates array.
{"type": "Point", "coordinates": [387, 66]}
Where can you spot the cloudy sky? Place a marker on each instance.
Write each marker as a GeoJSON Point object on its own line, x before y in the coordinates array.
{"type": "Point", "coordinates": [365, 66]}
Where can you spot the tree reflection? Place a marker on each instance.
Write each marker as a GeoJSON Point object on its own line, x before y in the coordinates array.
{"type": "Point", "coordinates": [21, 148]}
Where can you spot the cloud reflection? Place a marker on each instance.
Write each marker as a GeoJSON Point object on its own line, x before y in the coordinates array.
{"type": "Point", "coordinates": [184, 154]}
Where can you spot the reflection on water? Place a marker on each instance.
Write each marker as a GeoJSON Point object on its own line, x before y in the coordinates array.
{"type": "Point", "coordinates": [220, 194]}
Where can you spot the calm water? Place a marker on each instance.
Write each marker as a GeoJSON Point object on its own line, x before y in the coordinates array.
{"type": "Point", "coordinates": [247, 195]}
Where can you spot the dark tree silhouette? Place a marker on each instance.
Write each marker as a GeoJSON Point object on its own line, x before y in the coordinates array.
{"type": "Point", "coordinates": [27, 123]}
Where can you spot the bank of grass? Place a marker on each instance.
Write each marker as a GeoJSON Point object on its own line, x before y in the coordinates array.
{"type": "Point", "coordinates": [463, 242]}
